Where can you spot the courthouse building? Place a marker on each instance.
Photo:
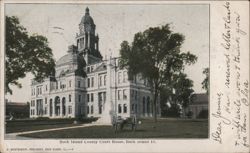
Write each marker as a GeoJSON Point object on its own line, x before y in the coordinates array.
{"type": "Point", "coordinates": [104, 92]}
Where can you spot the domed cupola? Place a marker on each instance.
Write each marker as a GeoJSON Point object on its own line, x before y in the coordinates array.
{"type": "Point", "coordinates": [87, 23]}
{"type": "Point", "coordinates": [87, 19]}
{"type": "Point", "coordinates": [72, 62]}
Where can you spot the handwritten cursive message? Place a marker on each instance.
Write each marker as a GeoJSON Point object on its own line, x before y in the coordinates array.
{"type": "Point", "coordinates": [232, 102]}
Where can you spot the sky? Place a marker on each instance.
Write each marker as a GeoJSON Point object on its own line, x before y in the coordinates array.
{"type": "Point", "coordinates": [114, 24]}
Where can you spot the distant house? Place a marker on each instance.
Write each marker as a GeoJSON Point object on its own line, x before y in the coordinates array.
{"type": "Point", "coordinates": [17, 110]}
{"type": "Point", "coordinates": [199, 105]}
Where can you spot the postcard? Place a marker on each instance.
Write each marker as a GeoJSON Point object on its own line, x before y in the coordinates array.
{"type": "Point", "coordinates": [124, 76]}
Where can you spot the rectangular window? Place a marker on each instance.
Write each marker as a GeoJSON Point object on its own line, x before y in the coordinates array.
{"type": "Point", "coordinates": [104, 80]}
{"type": "Point", "coordinates": [100, 96]}
{"type": "Point", "coordinates": [125, 108]}
{"type": "Point", "coordinates": [124, 94]}
{"type": "Point", "coordinates": [87, 109]}
{"type": "Point", "coordinates": [79, 84]}
{"type": "Point", "coordinates": [70, 83]}
{"type": "Point", "coordinates": [79, 98]}
{"type": "Point", "coordinates": [88, 69]}
{"type": "Point", "coordinates": [125, 78]}
{"type": "Point", "coordinates": [92, 109]}
{"type": "Point", "coordinates": [92, 97]}
{"type": "Point", "coordinates": [119, 108]}
{"type": "Point", "coordinates": [92, 68]}
{"type": "Point", "coordinates": [119, 94]}
{"type": "Point", "coordinates": [104, 96]}
{"type": "Point", "coordinates": [100, 81]}
{"type": "Point", "coordinates": [135, 95]}
{"type": "Point", "coordinates": [100, 109]}
{"type": "Point", "coordinates": [70, 110]}
{"type": "Point", "coordinates": [92, 82]}
{"type": "Point", "coordinates": [88, 82]}
{"type": "Point", "coordinates": [69, 98]}
{"type": "Point", "coordinates": [119, 77]}
{"type": "Point", "coordinates": [45, 110]}
{"type": "Point", "coordinates": [45, 100]}
{"type": "Point", "coordinates": [87, 97]}
{"type": "Point", "coordinates": [46, 88]}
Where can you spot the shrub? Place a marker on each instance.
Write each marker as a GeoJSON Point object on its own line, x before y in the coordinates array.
{"type": "Point", "coordinates": [190, 114]}
{"type": "Point", "coordinates": [203, 114]}
{"type": "Point", "coordinates": [42, 118]}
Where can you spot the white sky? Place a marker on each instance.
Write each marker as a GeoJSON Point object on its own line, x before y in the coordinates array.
{"type": "Point", "coordinates": [114, 23]}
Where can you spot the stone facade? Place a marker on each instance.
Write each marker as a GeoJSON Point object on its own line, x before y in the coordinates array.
{"type": "Point", "coordinates": [105, 91]}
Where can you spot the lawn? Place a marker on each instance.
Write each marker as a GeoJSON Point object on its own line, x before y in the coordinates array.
{"type": "Point", "coordinates": [164, 128]}
{"type": "Point", "coordinates": [32, 125]}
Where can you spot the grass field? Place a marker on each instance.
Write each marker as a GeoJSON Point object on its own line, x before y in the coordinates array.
{"type": "Point", "coordinates": [31, 125]}
{"type": "Point", "coordinates": [164, 128]}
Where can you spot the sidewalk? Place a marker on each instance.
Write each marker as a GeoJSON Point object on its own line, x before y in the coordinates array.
{"type": "Point", "coordinates": [14, 136]}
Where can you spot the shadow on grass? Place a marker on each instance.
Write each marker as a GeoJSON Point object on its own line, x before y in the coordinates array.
{"type": "Point", "coordinates": [148, 129]}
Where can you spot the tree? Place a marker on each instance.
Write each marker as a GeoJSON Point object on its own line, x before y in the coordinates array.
{"type": "Point", "coordinates": [25, 53]}
{"type": "Point", "coordinates": [205, 82]}
{"type": "Point", "coordinates": [177, 94]}
{"type": "Point", "coordinates": [156, 55]}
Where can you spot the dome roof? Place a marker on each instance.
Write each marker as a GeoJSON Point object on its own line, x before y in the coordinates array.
{"type": "Point", "coordinates": [87, 19]}
{"type": "Point", "coordinates": [70, 58]}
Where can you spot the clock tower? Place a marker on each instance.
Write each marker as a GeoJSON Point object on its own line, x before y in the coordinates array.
{"type": "Point", "coordinates": [87, 40]}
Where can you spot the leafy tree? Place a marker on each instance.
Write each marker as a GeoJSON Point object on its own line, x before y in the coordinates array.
{"type": "Point", "coordinates": [177, 93]}
{"type": "Point", "coordinates": [183, 89]}
{"type": "Point", "coordinates": [205, 82]}
{"type": "Point", "coordinates": [25, 53]}
{"type": "Point", "coordinates": [156, 55]}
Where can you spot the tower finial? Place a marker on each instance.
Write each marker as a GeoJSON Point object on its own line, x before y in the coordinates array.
{"type": "Point", "coordinates": [87, 11]}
